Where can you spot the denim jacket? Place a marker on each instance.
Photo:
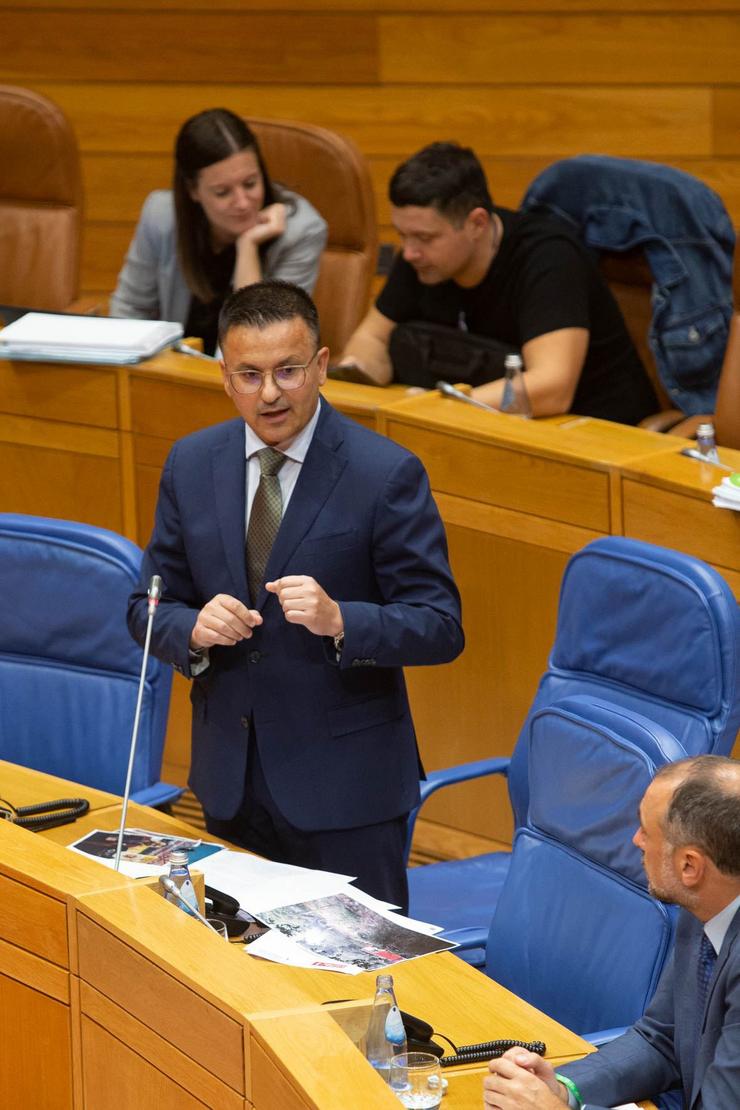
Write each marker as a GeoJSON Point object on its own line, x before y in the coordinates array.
{"type": "Point", "coordinates": [688, 240]}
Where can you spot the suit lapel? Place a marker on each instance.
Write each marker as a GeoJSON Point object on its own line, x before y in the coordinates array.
{"type": "Point", "coordinates": [319, 474]}
{"type": "Point", "coordinates": [228, 465]}
{"type": "Point", "coordinates": [702, 1061]}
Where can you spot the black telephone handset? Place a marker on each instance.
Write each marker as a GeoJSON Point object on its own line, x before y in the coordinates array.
{"type": "Point", "coordinates": [223, 907]}
{"type": "Point", "coordinates": [419, 1035]}
{"type": "Point", "coordinates": [45, 815]}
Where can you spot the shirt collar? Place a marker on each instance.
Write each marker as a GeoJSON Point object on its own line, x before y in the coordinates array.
{"type": "Point", "coordinates": [717, 926]}
{"type": "Point", "coordinates": [296, 450]}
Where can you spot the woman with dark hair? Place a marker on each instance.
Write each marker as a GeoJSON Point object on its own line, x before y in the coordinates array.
{"type": "Point", "coordinates": [224, 225]}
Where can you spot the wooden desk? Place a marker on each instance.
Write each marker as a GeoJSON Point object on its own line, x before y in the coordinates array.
{"type": "Point", "coordinates": [668, 500]}
{"type": "Point", "coordinates": [135, 1004]}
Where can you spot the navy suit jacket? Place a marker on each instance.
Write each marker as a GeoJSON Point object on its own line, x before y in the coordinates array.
{"type": "Point", "coordinates": [671, 1045]}
{"type": "Point", "coordinates": [336, 741]}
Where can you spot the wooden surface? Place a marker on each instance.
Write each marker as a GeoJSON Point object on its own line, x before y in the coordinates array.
{"type": "Point", "coordinates": [160, 1012]}
{"type": "Point", "coordinates": [523, 81]}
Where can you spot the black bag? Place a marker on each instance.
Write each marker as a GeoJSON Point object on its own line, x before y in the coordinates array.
{"type": "Point", "coordinates": [423, 354]}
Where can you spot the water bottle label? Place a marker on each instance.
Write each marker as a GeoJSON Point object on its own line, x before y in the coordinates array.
{"type": "Point", "coordinates": [394, 1030]}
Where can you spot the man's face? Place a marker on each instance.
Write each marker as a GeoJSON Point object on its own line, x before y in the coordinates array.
{"type": "Point", "coordinates": [437, 249]}
{"type": "Point", "coordinates": [657, 854]}
{"type": "Point", "coordinates": [275, 415]}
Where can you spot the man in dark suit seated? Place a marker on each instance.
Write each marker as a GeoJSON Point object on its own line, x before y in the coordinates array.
{"type": "Point", "coordinates": [689, 1037]}
{"type": "Point", "coordinates": [293, 599]}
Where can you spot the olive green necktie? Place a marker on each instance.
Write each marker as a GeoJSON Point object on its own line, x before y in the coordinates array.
{"type": "Point", "coordinates": [264, 519]}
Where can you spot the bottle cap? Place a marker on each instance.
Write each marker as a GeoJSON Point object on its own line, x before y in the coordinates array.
{"type": "Point", "coordinates": [705, 430]}
{"type": "Point", "coordinates": [179, 858]}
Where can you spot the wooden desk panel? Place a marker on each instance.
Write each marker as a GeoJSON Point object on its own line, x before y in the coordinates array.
{"type": "Point", "coordinates": [35, 1048]}
{"type": "Point", "coordinates": [668, 500]}
{"type": "Point", "coordinates": [60, 391]}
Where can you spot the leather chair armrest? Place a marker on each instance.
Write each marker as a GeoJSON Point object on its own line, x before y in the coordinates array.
{"type": "Point", "coordinates": [88, 305]}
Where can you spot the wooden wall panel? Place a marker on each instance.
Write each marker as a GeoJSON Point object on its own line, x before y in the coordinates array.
{"type": "Point", "coordinates": [420, 6]}
{"type": "Point", "coordinates": [504, 49]}
{"type": "Point", "coordinates": [547, 120]}
{"type": "Point", "coordinates": [156, 46]}
{"type": "Point", "coordinates": [522, 81]}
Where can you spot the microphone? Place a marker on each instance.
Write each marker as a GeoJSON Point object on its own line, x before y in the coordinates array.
{"type": "Point", "coordinates": [154, 593]}
{"type": "Point", "coordinates": [448, 390]}
{"type": "Point", "coordinates": [172, 888]}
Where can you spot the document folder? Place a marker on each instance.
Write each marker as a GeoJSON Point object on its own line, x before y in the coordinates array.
{"type": "Point", "coordinates": [48, 337]}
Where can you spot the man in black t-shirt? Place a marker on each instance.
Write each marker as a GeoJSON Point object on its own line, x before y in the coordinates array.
{"type": "Point", "coordinates": [522, 278]}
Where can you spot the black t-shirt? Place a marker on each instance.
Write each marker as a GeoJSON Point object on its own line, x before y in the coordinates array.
{"type": "Point", "coordinates": [202, 318]}
{"type": "Point", "coordinates": [541, 279]}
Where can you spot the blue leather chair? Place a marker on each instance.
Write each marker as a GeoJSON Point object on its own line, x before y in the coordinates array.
{"type": "Point", "coordinates": [575, 931]}
{"type": "Point", "coordinates": [643, 627]}
{"type": "Point", "coordinates": [69, 670]}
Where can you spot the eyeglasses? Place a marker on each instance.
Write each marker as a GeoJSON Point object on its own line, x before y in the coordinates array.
{"type": "Point", "coordinates": [284, 377]}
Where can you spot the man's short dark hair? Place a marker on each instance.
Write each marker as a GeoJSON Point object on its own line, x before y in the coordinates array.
{"type": "Point", "coordinates": [445, 176]}
{"type": "Point", "coordinates": [265, 303]}
{"type": "Point", "coordinates": [705, 809]}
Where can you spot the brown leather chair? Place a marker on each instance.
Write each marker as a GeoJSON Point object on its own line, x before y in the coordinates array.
{"type": "Point", "coordinates": [329, 171]}
{"type": "Point", "coordinates": [40, 203]}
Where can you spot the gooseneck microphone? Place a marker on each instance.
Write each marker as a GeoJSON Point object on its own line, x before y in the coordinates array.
{"type": "Point", "coordinates": [154, 593]}
{"type": "Point", "coordinates": [448, 390]}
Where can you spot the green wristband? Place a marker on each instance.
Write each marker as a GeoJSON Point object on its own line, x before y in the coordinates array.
{"type": "Point", "coordinates": [571, 1088]}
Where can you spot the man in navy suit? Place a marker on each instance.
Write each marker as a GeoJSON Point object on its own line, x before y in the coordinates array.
{"type": "Point", "coordinates": [689, 1037]}
{"type": "Point", "coordinates": [303, 747]}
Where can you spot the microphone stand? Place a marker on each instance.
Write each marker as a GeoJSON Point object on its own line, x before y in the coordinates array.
{"type": "Point", "coordinates": [154, 593]}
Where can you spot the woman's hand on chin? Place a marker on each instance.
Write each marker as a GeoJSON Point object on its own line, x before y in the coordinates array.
{"type": "Point", "coordinates": [269, 224]}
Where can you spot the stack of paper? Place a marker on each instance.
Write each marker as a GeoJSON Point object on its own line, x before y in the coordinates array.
{"type": "Point", "coordinates": [47, 337]}
{"type": "Point", "coordinates": [727, 493]}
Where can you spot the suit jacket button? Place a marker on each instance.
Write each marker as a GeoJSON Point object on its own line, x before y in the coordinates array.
{"type": "Point", "coordinates": [255, 656]}
{"type": "Point", "coordinates": [244, 722]}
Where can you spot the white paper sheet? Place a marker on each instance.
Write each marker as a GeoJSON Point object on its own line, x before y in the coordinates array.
{"type": "Point", "coordinates": [282, 950]}
{"type": "Point", "coordinates": [259, 884]}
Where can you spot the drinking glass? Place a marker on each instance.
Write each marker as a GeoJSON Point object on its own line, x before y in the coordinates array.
{"type": "Point", "coordinates": [218, 927]}
{"type": "Point", "coordinates": [416, 1080]}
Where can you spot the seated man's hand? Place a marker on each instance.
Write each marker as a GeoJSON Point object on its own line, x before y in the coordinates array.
{"type": "Point", "coordinates": [223, 620]}
{"type": "Point", "coordinates": [304, 602]}
{"type": "Point", "coordinates": [521, 1080]}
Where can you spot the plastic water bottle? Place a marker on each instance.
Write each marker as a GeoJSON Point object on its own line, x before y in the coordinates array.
{"type": "Point", "coordinates": [706, 444]}
{"type": "Point", "coordinates": [386, 1036]}
{"type": "Point", "coordinates": [515, 399]}
{"type": "Point", "coordinates": [180, 875]}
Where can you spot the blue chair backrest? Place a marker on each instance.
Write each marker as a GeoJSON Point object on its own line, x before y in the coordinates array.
{"type": "Point", "coordinates": [69, 670]}
{"type": "Point", "coordinates": [575, 931]}
{"type": "Point", "coordinates": [650, 629]}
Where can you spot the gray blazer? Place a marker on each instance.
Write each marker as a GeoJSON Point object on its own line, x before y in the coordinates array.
{"type": "Point", "coordinates": [151, 285]}
{"type": "Point", "coordinates": [669, 1047]}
